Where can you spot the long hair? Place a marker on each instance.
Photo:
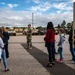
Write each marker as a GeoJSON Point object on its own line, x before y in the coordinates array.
{"type": "Point", "coordinates": [50, 26]}
{"type": "Point", "coordinates": [4, 29]}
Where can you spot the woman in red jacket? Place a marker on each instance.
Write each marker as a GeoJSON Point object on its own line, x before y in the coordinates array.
{"type": "Point", "coordinates": [50, 39]}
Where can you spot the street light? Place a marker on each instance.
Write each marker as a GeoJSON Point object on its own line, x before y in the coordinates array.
{"type": "Point", "coordinates": [32, 19]}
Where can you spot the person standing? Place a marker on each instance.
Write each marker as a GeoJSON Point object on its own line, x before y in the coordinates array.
{"type": "Point", "coordinates": [70, 39]}
{"type": "Point", "coordinates": [50, 39]}
{"type": "Point", "coordinates": [29, 37]}
{"type": "Point", "coordinates": [3, 54]}
{"type": "Point", "coordinates": [5, 39]}
{"type": "Point", "coordinates": [61, 45]}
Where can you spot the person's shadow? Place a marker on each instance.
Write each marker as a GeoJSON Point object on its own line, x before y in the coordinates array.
{"type": "Point", "coordinates": [42, 58]}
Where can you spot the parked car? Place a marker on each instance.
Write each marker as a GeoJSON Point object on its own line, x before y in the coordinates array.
{"type": "Point", "coordinates": [12, 32]}
{"type": "Point", "coordinates": [34, 31]}
{"type": "Point", "coordinates": [41, 32]}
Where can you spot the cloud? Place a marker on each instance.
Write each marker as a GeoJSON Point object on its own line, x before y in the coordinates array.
{"type": "Point", "coordinates": [42, 7]}
{"type": "Point", "coordinates": [43, 13]}
{"type": "Point", "coordinates": [59, 6]}
{"type": "Point", "coordinates": [10, 17]}
{"type": "Point", "coordinates": [47, 6]}
{"type": "Point", "coordinates": [36, 1]}
{"type": "Point", "coordinates": [59, 17]}
{"type": "Point", "coordinates": [12, 5]}
{"type": "Point", "coordinates": [2, 3]}
{"type": "Point", "coordinates": [62, 6]}
{"type": "Point", "coordinates": [71, 1]}
{"type": "Point", "coordinates": [16, 18]}
{"type": "Point", "coordinates": [58, 11]}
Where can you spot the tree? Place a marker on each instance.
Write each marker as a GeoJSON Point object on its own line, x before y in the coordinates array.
{"type": "Point", "coordinates": [68, 25]}
{"type": "Point", "coordinates": [39, 27]}
{"type": "Point", "coordinates": [63, 24]}
{"type": "Point", "coordinates": [59, 26]}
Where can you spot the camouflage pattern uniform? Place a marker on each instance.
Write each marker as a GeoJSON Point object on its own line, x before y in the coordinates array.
{"type": "Point", "coordinates": [29, 38]}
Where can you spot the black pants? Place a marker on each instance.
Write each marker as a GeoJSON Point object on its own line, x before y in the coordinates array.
{"type": "Point", "coordinates": [6, 50]}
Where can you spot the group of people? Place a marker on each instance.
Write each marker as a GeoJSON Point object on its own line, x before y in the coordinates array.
{"type": "Point", "coordinates": [50, 42]}
{"type": "Point", "coordinates": [4, 53]}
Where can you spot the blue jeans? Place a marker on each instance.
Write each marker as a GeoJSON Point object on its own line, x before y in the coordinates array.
{"type": "Point", "coordinates": [72, 50]}
{"type": "Point", "coordinates": [60, 52]}
{"type": "Point", "coordinates": [4, 58]}
{"type": "Point", "coordinates": [51, 52]}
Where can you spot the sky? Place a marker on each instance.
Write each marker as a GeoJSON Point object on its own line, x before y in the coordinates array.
{"type": "Point", "coordinates": [18, 13]}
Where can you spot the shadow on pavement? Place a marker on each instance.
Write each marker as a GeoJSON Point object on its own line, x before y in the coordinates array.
{"type": "Point", "coordinates": [42, 58]}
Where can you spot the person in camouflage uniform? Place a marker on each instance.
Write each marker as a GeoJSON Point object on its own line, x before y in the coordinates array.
{"type": "Point", "coordinates": [29, 37]}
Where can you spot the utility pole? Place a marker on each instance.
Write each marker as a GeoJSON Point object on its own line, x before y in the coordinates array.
{"type": "Point", "coordinates": [74, 24]}
{"type": "Point", "coordinates": [32, 19]}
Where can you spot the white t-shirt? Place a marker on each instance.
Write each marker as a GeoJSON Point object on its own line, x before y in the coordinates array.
{"type": "Point", "coordinates": [1, 43]}
{"type": "Point", "coordinates": [1, 46]}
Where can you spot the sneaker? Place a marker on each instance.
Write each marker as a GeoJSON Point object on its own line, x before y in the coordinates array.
{"type": "Point", "coordinates": [49, 65]}
{"type": "Point", "coordinates": [59, 61]}
{"type": "Point", "coordinates": [56, 53]}
{"type": "Point", "coordinates": [53, 63]}
{"type": "Point", "coordinates": [7, 70]}
{"type": "Point", "coordinates": [30, 48]}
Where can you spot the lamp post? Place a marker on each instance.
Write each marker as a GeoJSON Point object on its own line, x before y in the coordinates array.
{"type": "Point", "coordinates": [32, 19]}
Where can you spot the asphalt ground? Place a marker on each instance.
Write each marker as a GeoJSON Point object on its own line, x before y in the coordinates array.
{"type": "Point", "coordinates": [33, 62]}
{"type": "Point", "coordinates": [42, 58]}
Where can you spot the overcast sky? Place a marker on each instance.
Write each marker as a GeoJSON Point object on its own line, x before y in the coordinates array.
{"type": "Point", "coordinates": [19, 12]}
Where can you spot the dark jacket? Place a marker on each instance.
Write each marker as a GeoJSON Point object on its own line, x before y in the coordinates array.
{"type": "Point", "coordinates": [6, 37]}
{"type": "Point", "coordinates": [71, 35]}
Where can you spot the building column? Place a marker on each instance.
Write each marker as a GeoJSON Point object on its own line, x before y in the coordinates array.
{"type": "Point", "coordinates": [74, 24]}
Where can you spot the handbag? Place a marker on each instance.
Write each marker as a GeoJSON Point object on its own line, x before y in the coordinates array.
{"type": "Point", "coordinates": [45, 42]}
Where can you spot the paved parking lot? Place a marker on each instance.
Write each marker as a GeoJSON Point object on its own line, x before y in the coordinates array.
{"type": "Point", "coordinates": [33, 62]}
